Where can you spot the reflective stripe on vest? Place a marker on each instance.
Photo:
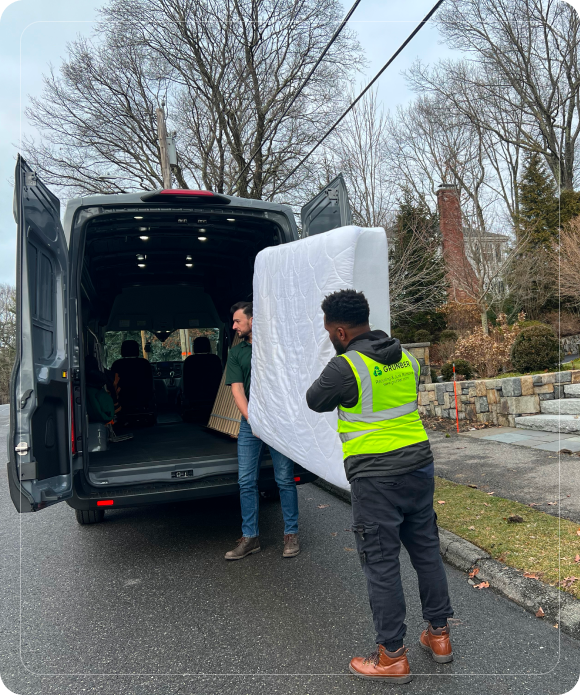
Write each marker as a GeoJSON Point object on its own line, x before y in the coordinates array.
{"type": "Point", "coordinates": [390, 428]}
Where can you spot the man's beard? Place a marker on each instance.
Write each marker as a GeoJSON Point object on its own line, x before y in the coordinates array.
{"type": "Point", "coordinates": [337, 346]}
{"type": "Point", "coordinates": [245, 335]}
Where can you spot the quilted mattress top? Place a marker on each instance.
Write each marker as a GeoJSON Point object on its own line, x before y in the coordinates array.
{"type": "Point", "coordinates": [290, 346]}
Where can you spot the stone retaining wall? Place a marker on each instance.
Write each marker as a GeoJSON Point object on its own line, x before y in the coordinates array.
{"type": "Point", "coordinates": [494, 400]}
{"type": "Point", "coordinates": [421, 352]}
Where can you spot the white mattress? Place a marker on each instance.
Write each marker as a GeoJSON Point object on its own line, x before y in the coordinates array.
{"type": "Point", "coordinates": [290, 346]}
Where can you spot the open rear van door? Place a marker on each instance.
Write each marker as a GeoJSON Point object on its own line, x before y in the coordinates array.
{"type": "Point", "coordinates": [328, 210]}
{"type": "Point", "coordinates": [40, 465]}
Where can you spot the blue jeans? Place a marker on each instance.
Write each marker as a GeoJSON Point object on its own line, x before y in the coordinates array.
{"type": "Point", "coordinates": [250, 450]}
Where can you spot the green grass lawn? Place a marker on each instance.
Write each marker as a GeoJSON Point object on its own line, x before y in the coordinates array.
{"type": "Point", "coordinates": [531, 546]}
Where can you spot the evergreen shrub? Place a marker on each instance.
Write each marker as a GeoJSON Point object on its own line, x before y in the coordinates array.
{"type": "Point", "coordinates": [448, 336]}
{"type": "Point", "coordinates": [461, 367]}
{"type": "Point", "coordinates": [422, 336]}
{"type": "Point", "coordinates": [535, 348]}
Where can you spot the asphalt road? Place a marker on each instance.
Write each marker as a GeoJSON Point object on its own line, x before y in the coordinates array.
{"type": "Point", "coordinates": [144, 603]}
{"type": "Point", "coordinates": [515, 472]}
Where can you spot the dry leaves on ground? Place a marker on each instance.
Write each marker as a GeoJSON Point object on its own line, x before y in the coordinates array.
{"type": "Point", "coordinates": [440, 501]}
{"type": "Point", "coordinates": [568, 581]}
{"type": "Point", "coordinates": [483, 585]}
{"type": "Point", "coordinates": [578, 532]}
{"type": "Point", "coordinates": [577, 558]}
{"type": "Point", "coordinates": [322, 506]}
{"type": "Point", "coordinates": [474, 572]}
{"type": "Point", "coordinates": [531, 575]}
{"type": "Point", "coordinates": [491, 493]}
{"type": "Point", "coordinates": [349, 549]}
{"type": "Point", "coordinates": [540, 613]}
{"type": "Point", "coordinates": [334, 534]}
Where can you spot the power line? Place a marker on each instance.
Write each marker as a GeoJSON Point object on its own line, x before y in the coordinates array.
{"type": "Point", "coordinates": [324, 52]}
{"type": "Point", "coordinates": [366, 89]}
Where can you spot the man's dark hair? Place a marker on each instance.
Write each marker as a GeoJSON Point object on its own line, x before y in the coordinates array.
{"type": "Point", "coordinates": [246, 306]}
{"type": "Point", "coordinates": [348, 307]}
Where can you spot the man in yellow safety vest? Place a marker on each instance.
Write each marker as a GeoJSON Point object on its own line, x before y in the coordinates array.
{"type": "Point", "coordinates": [388, 461]}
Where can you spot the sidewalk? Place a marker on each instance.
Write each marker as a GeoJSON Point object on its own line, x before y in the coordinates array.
{"type": "Point", "coordinates": [534, 439]}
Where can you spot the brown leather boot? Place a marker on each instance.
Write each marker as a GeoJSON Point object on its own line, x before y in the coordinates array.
{"type": "Point", "coordinates": [245, 546]}
{"type": "Point", "coordinates": [437, 642]}
{"type": "Point", "coordinates": [291, 545]}
{"type": "Point", "coordinates": [383, 665]}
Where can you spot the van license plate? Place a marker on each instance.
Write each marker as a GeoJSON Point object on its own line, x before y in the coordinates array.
{"type": "Point", "coordinates": [182, 474]}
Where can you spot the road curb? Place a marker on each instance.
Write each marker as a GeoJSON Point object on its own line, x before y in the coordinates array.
{"type": "Point", "coordinates": [530, 594]}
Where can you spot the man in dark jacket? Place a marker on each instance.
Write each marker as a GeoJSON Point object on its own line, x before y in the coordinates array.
{"type": "Point", "coordinates": [388, 462]}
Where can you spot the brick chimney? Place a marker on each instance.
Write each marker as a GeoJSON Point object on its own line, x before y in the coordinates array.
{"type": "Point", "coordinates": [461, 280]}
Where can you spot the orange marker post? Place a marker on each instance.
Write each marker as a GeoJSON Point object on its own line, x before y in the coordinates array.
{"type": "Point", "coordinates": [455, 392]}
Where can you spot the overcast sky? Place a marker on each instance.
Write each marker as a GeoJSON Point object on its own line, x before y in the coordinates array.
{"type": "Point", "coordinates": [34, 33]}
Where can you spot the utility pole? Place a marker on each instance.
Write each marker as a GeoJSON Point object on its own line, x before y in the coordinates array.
{"type": "Point", "coordinates": [166, 173]}
{"type": "Point", "coordinates": [162, 135]}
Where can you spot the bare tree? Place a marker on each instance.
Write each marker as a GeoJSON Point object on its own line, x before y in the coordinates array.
{"type": "Point", "coordinates": [97, 119]}
{"type": "Point", "coordinates": [431, 143]}
{"type": "Point", "coordinates": [242, 62]}
{"type": "Point", "coordinates": [7, 338]}
{"type": "Point", "coordinates": [522, 81]}
{"type": "Point", "coordinates": [226, 69]}
{"type": "Point", "coordinates": [532, 280]}
{"type": "Point", "coordinates": [568, 262]}
{"type": "Point", "coordinates": [416, 280]}
{"type": "Point", "coordinates": [359, 151]}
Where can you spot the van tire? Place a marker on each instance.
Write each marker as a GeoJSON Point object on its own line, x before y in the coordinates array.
{"type": "Point", "coordinates": [89, 516]}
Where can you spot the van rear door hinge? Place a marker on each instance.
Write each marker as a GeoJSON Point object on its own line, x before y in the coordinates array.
{"type": "Point", "coordinates": [25, 396]}
{"type": "Point", "coordinates": [30, 178]}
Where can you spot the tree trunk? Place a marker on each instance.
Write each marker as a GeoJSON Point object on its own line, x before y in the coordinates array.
{"type": "Point", "coordinates": [484, 323]}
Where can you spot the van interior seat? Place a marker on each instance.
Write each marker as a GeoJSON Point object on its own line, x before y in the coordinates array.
{"type": "Point", "coordinates": [202, 373]}
{"type": "Point", "coordinates": [136, 387]}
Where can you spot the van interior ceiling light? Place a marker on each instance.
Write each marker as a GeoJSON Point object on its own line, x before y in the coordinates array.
{"type": "Point", "coordinates": [141, 257]}
{"type": "Point", "coordinates": [201, 231]}
{"type": "Point", "coordinates": [230, 219]}
{"type": "Point", "coordinates": [141, 265]}
{"type": "Point", "coordinates": [202, 238]}
{"type": "Point", "coordinates": [142, 229]}
{"type": "Point", "coordinates": [189, 265]}
{"type": "Point", "coordinates": [189, 258]}
{"type": "Point", "coordinates": [138, 217]}
{"type": "Point", "coordinates": [144, 238]}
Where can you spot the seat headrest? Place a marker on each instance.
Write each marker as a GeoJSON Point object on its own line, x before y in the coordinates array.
{"type": "Point", "coordinates": [129, 348]}
{"type": "Point", "coordinates": [201, 344]}
{"type": "Point", "coordinates": [91, 363]}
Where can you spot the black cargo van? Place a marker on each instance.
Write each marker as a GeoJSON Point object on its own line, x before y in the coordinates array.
{"type": "Point", "coordinates": [156, 261]}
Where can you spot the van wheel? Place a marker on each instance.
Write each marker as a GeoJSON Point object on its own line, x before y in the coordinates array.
{"type": "Point", "coordinates": [89, 516]}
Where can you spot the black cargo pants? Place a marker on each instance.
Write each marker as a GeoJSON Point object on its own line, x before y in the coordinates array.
{"type": "Point", "coordinates": [387, 511]}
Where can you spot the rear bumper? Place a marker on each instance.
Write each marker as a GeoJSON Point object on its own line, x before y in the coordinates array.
{"type": "Point", "coordinates": [86, 497]}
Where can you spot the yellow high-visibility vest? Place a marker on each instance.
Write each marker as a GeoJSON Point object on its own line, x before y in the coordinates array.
{"type": "Point", "coordinates": [386, 415]}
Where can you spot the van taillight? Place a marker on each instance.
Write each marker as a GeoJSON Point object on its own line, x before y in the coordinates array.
{"type": "Point", "coordinates": [105, 503]}
{"type": "Point", "coordinates": [73, 439]}
{"type": "Point", "coordinates": [296, 478]}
